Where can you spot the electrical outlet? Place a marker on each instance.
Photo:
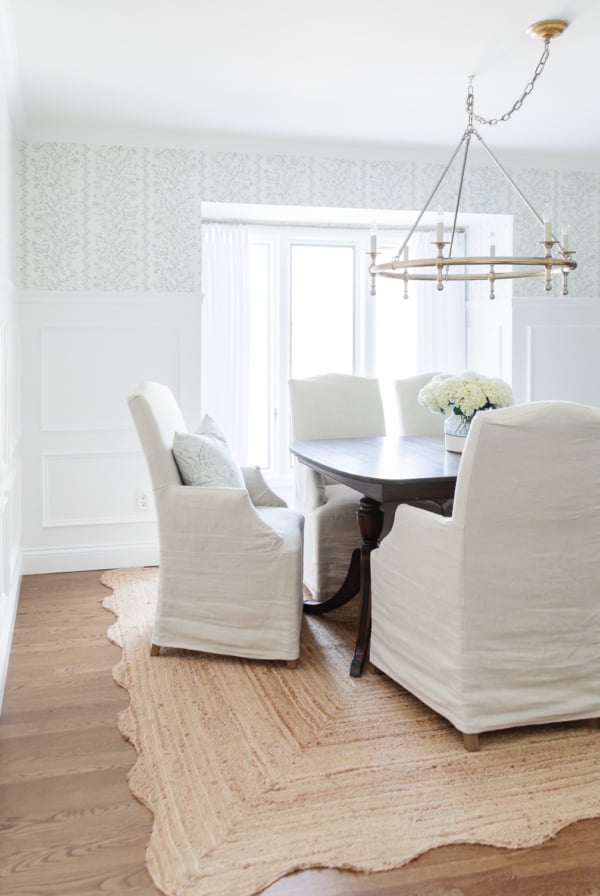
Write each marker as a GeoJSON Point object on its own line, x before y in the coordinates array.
{"type": "Point", "coordinates": [142, 501]}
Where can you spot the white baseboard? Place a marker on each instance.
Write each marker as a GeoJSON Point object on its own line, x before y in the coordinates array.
{"type": "Point", "coordinates": [7, 627]}
{"type": "Point", "coordinates": [104, 556]}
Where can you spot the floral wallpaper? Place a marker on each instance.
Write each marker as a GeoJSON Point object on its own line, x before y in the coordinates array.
{"type": "Point", "coordinates": [112, 218]}
{"type": "Point", "coordinates": [108, 218]}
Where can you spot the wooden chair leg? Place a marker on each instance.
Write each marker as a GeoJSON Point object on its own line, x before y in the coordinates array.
{"type": "Point", "coordinates": [154, 650]}
{"type": "Point", "coordinates": [471, 742]}
{"type": "Point", "coordinates": [291, 664]}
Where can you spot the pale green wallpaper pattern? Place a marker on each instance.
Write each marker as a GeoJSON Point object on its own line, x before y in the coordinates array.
{"type": "Point", "coordinates": [128, 218]}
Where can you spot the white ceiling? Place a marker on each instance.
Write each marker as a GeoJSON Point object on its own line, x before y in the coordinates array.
{"type": "Point", "coordinates": [338, 71]}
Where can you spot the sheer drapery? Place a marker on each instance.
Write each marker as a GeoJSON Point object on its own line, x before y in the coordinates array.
{"type": "Point", "coordinates": [225, 331]}
{"type": "Point", "coordinates": [441, 330]}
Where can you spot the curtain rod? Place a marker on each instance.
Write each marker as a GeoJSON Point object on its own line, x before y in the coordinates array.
{"type": "Point", "coordinates": [353, 226]}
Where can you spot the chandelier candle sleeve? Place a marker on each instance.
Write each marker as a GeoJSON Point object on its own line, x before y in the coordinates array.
{"type": "Point", "coordinates": [440, 228]}
{"type": "Point", "coordinates": [373, 237]}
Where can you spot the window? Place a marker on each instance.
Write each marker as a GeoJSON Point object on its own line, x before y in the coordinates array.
{"type": "Point", "coordinates": [307, 318]}
{"type": "Point", "coordinates": [311, 312]}
{"type": "Point", "coordinates": [322, 299]}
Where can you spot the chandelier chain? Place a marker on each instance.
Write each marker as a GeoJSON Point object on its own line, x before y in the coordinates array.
{"type": "Point", "coordinates": [518, 103]}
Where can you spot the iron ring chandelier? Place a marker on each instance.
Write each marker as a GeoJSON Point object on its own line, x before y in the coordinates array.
{"type": "Point", "coordinates": [446, 268]}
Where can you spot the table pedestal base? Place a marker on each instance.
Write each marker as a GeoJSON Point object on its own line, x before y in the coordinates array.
{"type": "Point", "coordinates": [358, 581]}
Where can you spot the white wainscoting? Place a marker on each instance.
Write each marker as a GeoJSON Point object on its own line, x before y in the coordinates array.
{"type": "Point", "coordinates": [83, 469]}
{"type": "Point", "coordinates": [10, 564]}
{"type": "Point", "coordinates": [10, 481]}
{"type": "Point", "coordinates": [556, 349]}
{"type": "Point", "coordinates": [84, 489]}
{"type": "Point", "coordinates": [91, 400]}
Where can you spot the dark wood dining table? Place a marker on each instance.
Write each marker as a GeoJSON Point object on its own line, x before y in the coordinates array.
{"type": "Point", "coordinates": [383, 469]}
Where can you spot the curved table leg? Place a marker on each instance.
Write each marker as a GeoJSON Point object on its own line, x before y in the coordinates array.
{"type": "Point", "coordinates": [349, 589]}
{"type": "Point", "coordinates": [370, 521]}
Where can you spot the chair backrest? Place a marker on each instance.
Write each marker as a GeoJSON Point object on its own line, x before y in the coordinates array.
{"type": "Point", "coordinates": [336, 406]}
{"type": "Point", "coordinates": [157, 418]}
{"type": "Point", "coordinates": [413, 418]}
{"type": "Point", "coordinates": [528, 500]}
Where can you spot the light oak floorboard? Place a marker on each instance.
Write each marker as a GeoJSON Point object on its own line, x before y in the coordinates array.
{"type": "Point", "coordinates": [69, 825]}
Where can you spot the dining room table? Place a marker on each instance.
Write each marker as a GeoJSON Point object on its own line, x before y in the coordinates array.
{"type": "Point", "coordinates": [382, 470]}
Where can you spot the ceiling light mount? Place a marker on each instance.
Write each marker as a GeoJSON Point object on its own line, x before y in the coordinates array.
{"type": "Point", "coordinates": [556, 258]}
{"type": "Point", "coordinates": [547, 29]}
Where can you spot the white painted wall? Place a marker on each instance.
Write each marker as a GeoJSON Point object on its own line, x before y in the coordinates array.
{"type": "Point", "coordinates": [10, 468]}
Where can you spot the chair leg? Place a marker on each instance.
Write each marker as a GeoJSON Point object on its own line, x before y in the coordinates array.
{"type": "Point", "coordinates": [471, 742]}
{"type": "Point", "coordinates": [291, 664]}
{"type": "Point", "coordinates": [155, 650]}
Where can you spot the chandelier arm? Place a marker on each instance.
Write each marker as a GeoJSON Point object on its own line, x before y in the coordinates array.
{"type": "Point", "coordinates": [541, 261]}
{"type": "Point", "coordinates": [468, 278]}
{"type": "Point", "coordinates": [432, 194]}
{"type": "Point", "coordinates": [517, 189]}
{"type": "Point", "coordinates": [467, 140]}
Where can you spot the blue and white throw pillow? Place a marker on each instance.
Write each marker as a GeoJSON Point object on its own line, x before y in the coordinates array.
{"type": "Point", "coordinates": [204, 457]}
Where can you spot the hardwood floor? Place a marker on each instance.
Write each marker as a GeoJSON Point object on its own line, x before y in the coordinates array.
{"type": "Point", "coordinates": [70, 827]}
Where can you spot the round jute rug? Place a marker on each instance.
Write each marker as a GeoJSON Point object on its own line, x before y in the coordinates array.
{"type": "Point", "coordinates": [253, 770]}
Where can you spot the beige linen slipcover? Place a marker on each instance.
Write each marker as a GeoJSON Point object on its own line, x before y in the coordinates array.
{"type": "Point", "coordinates": [230, 576]}
{"type": "Point", "coordinates": [492, 616]}
{"type": "Point", "coordinates": [413, 418]}
{"type": "Point", "coordinates": [331, 406]}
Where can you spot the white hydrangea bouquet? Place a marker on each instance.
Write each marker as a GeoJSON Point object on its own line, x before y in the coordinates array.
{"type": "Point", "coordinates": [465, 394]}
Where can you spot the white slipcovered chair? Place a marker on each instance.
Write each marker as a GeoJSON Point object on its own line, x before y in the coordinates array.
{"type": "Point", "coordinates": [331, 406]}
{"type": "Point", "coordinates": [415, 420]}
{"type": "Point", "coordinates": [230, 575]}
{"type": "Point", "coordinates": [492, 617]}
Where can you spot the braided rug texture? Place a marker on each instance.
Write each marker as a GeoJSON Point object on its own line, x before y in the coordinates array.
{"type": "Point", "coordinates": [253, 770]}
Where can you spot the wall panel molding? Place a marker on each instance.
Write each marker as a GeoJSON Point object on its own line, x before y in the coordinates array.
{"type": "Point", "coordinates": [89, 402]}
{"type": "Point", "coordinates": [556, 350]}
{"type": "Point", "coordinates": [107, 480]}
{"type": "Point", "coordinates": [83, 353]}
{"type": "Point", "coordinates": [562, 362]}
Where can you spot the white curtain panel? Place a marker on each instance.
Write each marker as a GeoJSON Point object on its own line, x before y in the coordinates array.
{"type": "Point", "coordinates": [441, 314]}
{"type": "Point", "coordinates": [225, 331]}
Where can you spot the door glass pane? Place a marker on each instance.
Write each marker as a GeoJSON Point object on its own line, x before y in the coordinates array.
{"type": "Point", "coordinates": [322, 310]}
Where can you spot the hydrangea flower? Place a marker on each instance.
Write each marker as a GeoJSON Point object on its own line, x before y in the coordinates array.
{"type": "Point", "coordinates": [465, 394]}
